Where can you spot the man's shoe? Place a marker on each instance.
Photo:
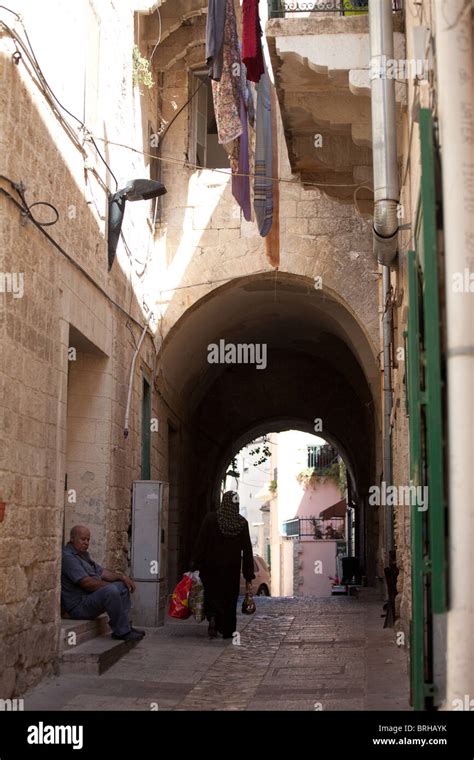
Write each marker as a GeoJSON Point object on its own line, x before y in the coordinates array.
{"type": "Point", "coordinates": [139, 630]}
{"type": "Point", "coordinates": [129, 636]}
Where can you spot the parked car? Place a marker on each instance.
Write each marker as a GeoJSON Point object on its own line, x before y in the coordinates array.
{"type": "Point", "coordinates": [261, 584]}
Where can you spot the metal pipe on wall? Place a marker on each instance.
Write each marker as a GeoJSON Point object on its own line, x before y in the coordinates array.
{"type": "Point", "coordinates": [386, 198]}
{"type": "Point", "coordinates": [384, 133]}
{"type": "Point", "coordinates": [130, 380]}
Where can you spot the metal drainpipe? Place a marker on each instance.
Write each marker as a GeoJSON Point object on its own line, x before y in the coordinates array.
{"type": "Point", "coordinates": [130, 380]}
{"type": "Point", "coordinates": [386, 199]}
{"type": "Point", "coordinates": [384, 133]}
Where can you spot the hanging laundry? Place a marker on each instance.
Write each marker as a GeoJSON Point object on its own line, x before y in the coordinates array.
{"type": "Point", "coordinates": [252, 115]}
{"type": "Point", "coordinates": [215, 37]}
{"type": "Point", "coordinates": [241, 180]}
{"type": "Point", "coordinates": [263, 185]}
{"type": "Point", "coordinates": [252, 54]}
{"type": "Point", "coordinates": [226, 92]}
{"type": "Point", "coordinates": [241, 164]}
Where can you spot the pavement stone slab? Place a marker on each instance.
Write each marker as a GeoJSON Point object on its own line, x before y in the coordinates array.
{"type": "Point", "coordinates": [294, 654]}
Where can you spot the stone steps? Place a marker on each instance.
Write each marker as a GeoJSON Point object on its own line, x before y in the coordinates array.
{"type": "Point", "coordinates": [93, 657]}
{"type": "Point", "coordinates": [87, 647]}
{"type": "Point", "coordinates": [75, 632]}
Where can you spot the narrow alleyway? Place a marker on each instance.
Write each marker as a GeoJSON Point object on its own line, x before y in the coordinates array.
{"type": "Point", "coordinates": [294, 654]}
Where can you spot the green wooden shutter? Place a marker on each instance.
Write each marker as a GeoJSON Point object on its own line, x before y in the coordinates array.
{"type": "Point", "coordinates": [424, 391]}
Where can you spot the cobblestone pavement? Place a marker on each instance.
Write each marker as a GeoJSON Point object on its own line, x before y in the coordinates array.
{"type": "Point", "coordinates": [294, 654]}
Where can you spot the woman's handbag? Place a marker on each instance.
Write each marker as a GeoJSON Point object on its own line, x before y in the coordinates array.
{"type": "Point", "coordinates": [248, 605]}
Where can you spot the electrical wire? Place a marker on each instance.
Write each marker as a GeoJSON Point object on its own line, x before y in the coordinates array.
{"type": "Point", "coordinates": [165, 132]}
{"type": "Point", "coordinates": [17, 15]}
{"type": "Point", "coordinates": [207, 282]}
{"type": "Point", "coordinates": [191, 165]}
{"type": "Point", "coordinates": [159, 35]}
{"type": "Point", "coordinates": [79, 121]}
{"type": "Point", "coordinates": [24, 209]}
{"type": "Point", "coordinates": [354, 197]}
{"type": "Point", "coordinates": [25, 212]}
{"type": "Point", "coordinates": [20, 188]}
{"type": "Point", "coordinates": [28, 51]}
{"type": "Point", "coordinates": [51, 99]}
{"type": "Point", "coordinates": [93, 138]}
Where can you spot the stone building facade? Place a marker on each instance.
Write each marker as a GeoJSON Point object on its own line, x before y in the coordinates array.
{"type": "Point", "coordinates": [68, 343]}
{"type": "Point", "coordinates": [194, 271]}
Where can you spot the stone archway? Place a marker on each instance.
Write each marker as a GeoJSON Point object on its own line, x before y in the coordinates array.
{"type": "Point", "coordinates": [320, 364]}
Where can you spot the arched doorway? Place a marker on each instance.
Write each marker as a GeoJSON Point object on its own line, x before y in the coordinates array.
{"type": "Point", "coordinates": [320, 368]}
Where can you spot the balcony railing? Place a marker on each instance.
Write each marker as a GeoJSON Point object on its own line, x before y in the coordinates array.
{"type": "Point", "coordinates": [321, 457]}
{"type": "Point", "coordinates": [315, 527]}
{"type": "Point", "coordinates": [278, 8]}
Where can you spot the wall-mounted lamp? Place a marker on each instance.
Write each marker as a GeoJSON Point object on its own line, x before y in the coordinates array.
{"type": "Point", "coordinates": [136, 190]}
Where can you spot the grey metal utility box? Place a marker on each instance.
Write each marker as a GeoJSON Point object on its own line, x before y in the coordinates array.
{"type": "Point", "coordinates": [149, 498]}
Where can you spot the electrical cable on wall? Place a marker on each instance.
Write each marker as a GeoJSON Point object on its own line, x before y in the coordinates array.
{"type": "Point", "coordinates": [93, 138]}
{"type": "Point", "coordinates": [24, 209]}
{"type": "Point", "coordinates": [28, 51]}
{"type": "Point", "coordinates": [20, 188]}
{"type": "Point", "coordinates": [52, 100]}
{"type": "Point", "coordinates": [189, 165]}
{"type": "Point", "coordinates": [159, 35]}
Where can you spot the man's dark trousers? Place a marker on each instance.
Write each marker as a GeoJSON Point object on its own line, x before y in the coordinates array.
{"type": "Point", "coordinates": [114, 599]}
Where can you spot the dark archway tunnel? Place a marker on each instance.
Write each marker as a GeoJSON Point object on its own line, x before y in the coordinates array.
{"type": "Point", "coordinates": [320, 365]}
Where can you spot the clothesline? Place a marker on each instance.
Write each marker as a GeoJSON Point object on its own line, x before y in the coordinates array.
{"type": "Point", "coordinates": [191, 165]}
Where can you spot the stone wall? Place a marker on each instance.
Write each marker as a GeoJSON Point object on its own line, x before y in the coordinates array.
{"type": "Point", "coordinates": [66, 346]}
{"type": "Point", "coordinates": [62, 412]}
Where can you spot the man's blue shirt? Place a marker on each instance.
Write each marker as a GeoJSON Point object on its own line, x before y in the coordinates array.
{"type": "Point", "coordinates": [75, 567]}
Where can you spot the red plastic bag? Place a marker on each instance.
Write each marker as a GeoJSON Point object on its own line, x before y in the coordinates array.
{"type": "Point", "coordinates": [179, 606]}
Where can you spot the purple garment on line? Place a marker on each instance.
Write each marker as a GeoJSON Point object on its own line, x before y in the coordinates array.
{"type": "Point", "coordinates": [241, 184]}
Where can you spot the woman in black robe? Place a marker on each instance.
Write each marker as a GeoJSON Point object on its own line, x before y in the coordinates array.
{"type": "Point", "coordinates": [222, 549]}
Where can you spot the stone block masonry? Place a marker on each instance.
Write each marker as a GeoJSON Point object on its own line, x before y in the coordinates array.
{"type": "Point", "coordinates": [62, 414]}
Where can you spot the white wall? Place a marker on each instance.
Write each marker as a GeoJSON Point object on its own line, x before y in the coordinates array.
{"type": "Point", "coordinates": [316, 578]}
{"type": "Point", "coordinates": [287, 587]}
{"type": "Point", "coordinates": [253, 482]}
{"type": "Point", "coordinates": [293, 499]}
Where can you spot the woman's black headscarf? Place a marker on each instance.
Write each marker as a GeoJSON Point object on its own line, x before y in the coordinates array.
{"type": "Point", "coordinates": [228, 518]}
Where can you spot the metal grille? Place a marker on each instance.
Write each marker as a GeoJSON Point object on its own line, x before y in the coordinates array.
{"type": "Point", "coordinates": [278, 8]}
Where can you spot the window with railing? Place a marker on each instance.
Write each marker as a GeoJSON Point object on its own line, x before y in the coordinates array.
{"type": "Point", "coordinates": [332, 528]}
{"type": "Point", "coordinates": [320, 457]}
{"type": "Point", "coordinates": [278, 8]}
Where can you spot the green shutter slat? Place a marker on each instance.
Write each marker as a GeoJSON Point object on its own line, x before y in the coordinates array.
{"type": "Point", "coordinates": [434, 419]}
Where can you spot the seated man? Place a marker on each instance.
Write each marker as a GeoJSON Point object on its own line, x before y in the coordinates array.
{"type": "Point", "coordinates": [87, 590]}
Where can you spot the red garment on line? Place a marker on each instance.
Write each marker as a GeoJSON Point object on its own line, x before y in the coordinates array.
{"type": "Point", "coordinates": [252, 54]}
